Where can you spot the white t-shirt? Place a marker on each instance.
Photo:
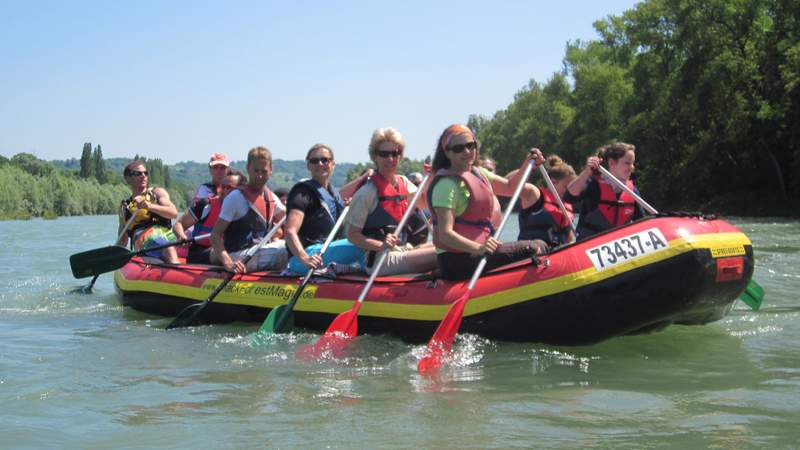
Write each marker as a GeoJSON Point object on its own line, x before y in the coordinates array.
{"type": "Point", "coordinates": [204, 191]}
{"type": "Point", "coordinates": [365, 200]}
{"type": "Point", "coordinates": [235, 206]}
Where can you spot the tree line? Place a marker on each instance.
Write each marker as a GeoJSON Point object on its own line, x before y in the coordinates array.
{"type": "Point", "coordinates": [707, 90]}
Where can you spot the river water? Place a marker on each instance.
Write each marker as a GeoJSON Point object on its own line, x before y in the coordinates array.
{"type": "Point", "coordinates": [80, 371]}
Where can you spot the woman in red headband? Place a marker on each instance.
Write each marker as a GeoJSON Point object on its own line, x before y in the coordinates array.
{"type": "Point", "coordinates": [466, 211]}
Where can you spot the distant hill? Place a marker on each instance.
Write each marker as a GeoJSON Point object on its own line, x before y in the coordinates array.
{"type": "Point", "coordinates": [284, 173]}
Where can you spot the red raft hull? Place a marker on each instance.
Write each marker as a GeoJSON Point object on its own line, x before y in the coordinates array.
{"type": "Point", "coordinates": [638, 278]}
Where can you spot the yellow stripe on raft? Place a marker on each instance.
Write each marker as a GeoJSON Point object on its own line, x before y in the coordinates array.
{"type": "Point", "coordinates": [270, 295]}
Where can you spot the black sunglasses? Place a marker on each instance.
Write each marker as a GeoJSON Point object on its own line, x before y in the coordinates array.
{"type": "Point", "coordinates": [319, 160]}
{"type": "Point", "coordinates": [388, 153]}
{"type": "Point", "coordinates": [137, 173]}
{"type": "Point", "coordinates": [461, 147]}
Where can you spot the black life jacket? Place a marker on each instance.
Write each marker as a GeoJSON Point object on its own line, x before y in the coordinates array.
{"type": "Point", "coordinates": [317, 224]}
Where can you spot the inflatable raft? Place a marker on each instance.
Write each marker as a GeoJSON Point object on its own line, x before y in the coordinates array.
{"type": "Point", "coordinates": [638, 278]}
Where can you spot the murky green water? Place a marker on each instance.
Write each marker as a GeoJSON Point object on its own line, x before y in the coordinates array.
{"type": "Point", "coordinates": [80, 371]}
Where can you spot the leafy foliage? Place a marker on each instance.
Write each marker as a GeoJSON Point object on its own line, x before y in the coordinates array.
{"type": "Point", "coordinates": [707, 90]}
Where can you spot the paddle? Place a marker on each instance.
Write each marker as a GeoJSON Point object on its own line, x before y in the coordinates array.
{"type": "Point", "coordinates": [442, 340]}
{"type": "Point", "coordinates": [105, 259]}
{"type": "Point", "coordinates": [280, 319]}
{"type": "Point", "coordinates": [552, 188]}
{"type": "Point", "coordinates": [188, 314]}
{"type": "Point", "coordinates": [753, 295]}
{"type": "Point", "coordinates": [88, 288]}
{"type": "Point", "coordinates": [345, 326]}
{"type": "Point", "coordinates": [616, 182]}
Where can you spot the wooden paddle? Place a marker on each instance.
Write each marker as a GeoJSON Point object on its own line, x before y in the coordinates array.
{"type": "Point", "coordinates": [345, 326]}
{"type": "Point", "coordinates": [753, 295]}
{"type": "Point", "coordinates": [280, 319]}
{"type": "Point", "coordinates": [552, 188]}
{"type": "Point", "coordinates": [442, 340]}
{"type": "Point", "coordinates": [187, 316]}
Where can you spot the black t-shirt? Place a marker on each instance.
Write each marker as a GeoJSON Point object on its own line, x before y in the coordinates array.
{"type": "Point", "coordinates": [303, 200]}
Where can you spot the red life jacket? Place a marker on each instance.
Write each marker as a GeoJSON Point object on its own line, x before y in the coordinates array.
{"type": "Point", "coordinates": [392, 204]}
{"type": "Point", "coordinates": [616, 211]}
{"type": "Point", "coordinates": [482, 215]}
{"type": "Point", "coordinates": [206, 224]}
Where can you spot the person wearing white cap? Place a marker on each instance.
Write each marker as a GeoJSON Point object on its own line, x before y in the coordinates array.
{"type": "Point", "coordinates": [218, 167]}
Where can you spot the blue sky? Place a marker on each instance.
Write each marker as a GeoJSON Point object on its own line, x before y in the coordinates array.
{"type": "Point", "coordinates": [180, 80]}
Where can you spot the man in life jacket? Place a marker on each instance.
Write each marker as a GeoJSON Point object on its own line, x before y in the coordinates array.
{"type": "Point", "coordinates": [603, 206]}
{"type": "Point", "coordinates": [203, 215]}
{"type": "Point", "coordinates": [218, 166]}
{"type": "Point", "coordinates": [246, 217]}
{"type": "Point", "coordinates": [153, 212]}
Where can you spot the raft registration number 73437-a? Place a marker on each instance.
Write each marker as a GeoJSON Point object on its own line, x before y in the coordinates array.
{"type": "Point", "coordinates": [626, 248]}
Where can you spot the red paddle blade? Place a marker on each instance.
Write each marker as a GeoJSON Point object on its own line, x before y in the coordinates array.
{"type": "Point", "coordinates": [340, 332]}
{"type": "Point", "coordinates": [442, 340]}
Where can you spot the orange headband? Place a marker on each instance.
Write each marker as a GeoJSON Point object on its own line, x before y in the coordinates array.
{"type": "Point", "coordinates": [453, 131]}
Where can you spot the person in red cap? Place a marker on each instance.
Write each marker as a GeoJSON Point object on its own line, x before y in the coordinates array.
{"type": "Point", "coordinates": [218, 167]}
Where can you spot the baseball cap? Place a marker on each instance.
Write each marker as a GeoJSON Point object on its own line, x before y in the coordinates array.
{"type": "Point", "coordinates": [219, 158]}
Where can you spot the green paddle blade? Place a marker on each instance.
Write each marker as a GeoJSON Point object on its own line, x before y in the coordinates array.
{"type": "Point", "coordinates": [99, 260]}
{"type": "Point", "coordinates": [753, 295]}
{"type": "Point", "coordinates": [276, 322]}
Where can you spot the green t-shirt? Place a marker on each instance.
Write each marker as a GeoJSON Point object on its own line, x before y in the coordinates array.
{"type": "Point", "coordinates": [453, 193]}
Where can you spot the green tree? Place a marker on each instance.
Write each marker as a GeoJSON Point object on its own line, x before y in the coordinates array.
{"type": "Point", "coordinates": [87, 168]}
{"type": "Point", "coordinates": [99, 165]}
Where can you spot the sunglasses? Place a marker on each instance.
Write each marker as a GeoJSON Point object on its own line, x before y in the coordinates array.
{"type": "Point", "coordinates": [137, 173]}
{"type": "Point", "coordinates": [227, 187]}
{"type": "Point", "coordinates": [323, 160]}
{"type": "Point", "coordinates": [389, 153]}
{"type": "Point", "coordinates": [471, 146]}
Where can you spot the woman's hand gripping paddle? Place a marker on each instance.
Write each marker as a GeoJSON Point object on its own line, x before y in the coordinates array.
{"type": "Point", "coordinates": [280, 319]}
{"type": "Point", "coordinates": [345, 326]}
{"type": "Point", "coordinates": [753, 295]}
{"type": "Point", "coordinates": [188, 314]}
{"type": "Point", "coordinates": [442, 340]}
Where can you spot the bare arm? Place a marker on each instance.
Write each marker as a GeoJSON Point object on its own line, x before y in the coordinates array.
{"type": "Point", "coordinates": [163, 208]}
{"type": "Point", "coordinates": [506, 186]}
{"type": "Point", "coordinates": [450, 238]}
{"type": "Point", "coordinates": [357, 237]}
{"type": "Point", "coordinates": [291, 228]}
{"type": "Point", "coordinates": [121, 231]}
{"type": "Point", "coordinates": [578, 184]}
{"type": "Point", "coordinates": [219, 248]}
{"type": "Point", "coordinates": [186, 221]}
{"type": "Point", "coordinates": [348, 190]}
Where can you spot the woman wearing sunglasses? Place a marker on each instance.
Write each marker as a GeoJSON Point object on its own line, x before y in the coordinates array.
{"type": "Point", "coordinates": [314, 206]}
{"type": "Point", "coordinates": [466, 210]}
{"type": "Point", "coordinates": [154, 211]}
{"type": "Point", "coordinates": [378, 207]}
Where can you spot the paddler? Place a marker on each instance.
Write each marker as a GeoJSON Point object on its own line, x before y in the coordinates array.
{"type": "Point", "coordinates": [154, 213]}
{"type": "Point", "coordinates": [540, 216]}
{"type": "Point", "coordinates": [603, 205]}
{"type": "Point", "coordinates": [314, 205]}
{"type": "Point", "coordinates": [203, 215]}
{"type": "Point", "coordinates": [465, 208]}
{"type": "Point", "coordinates": [246, 217]}
{"type": "Point", "coordinates": [378, 207]}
